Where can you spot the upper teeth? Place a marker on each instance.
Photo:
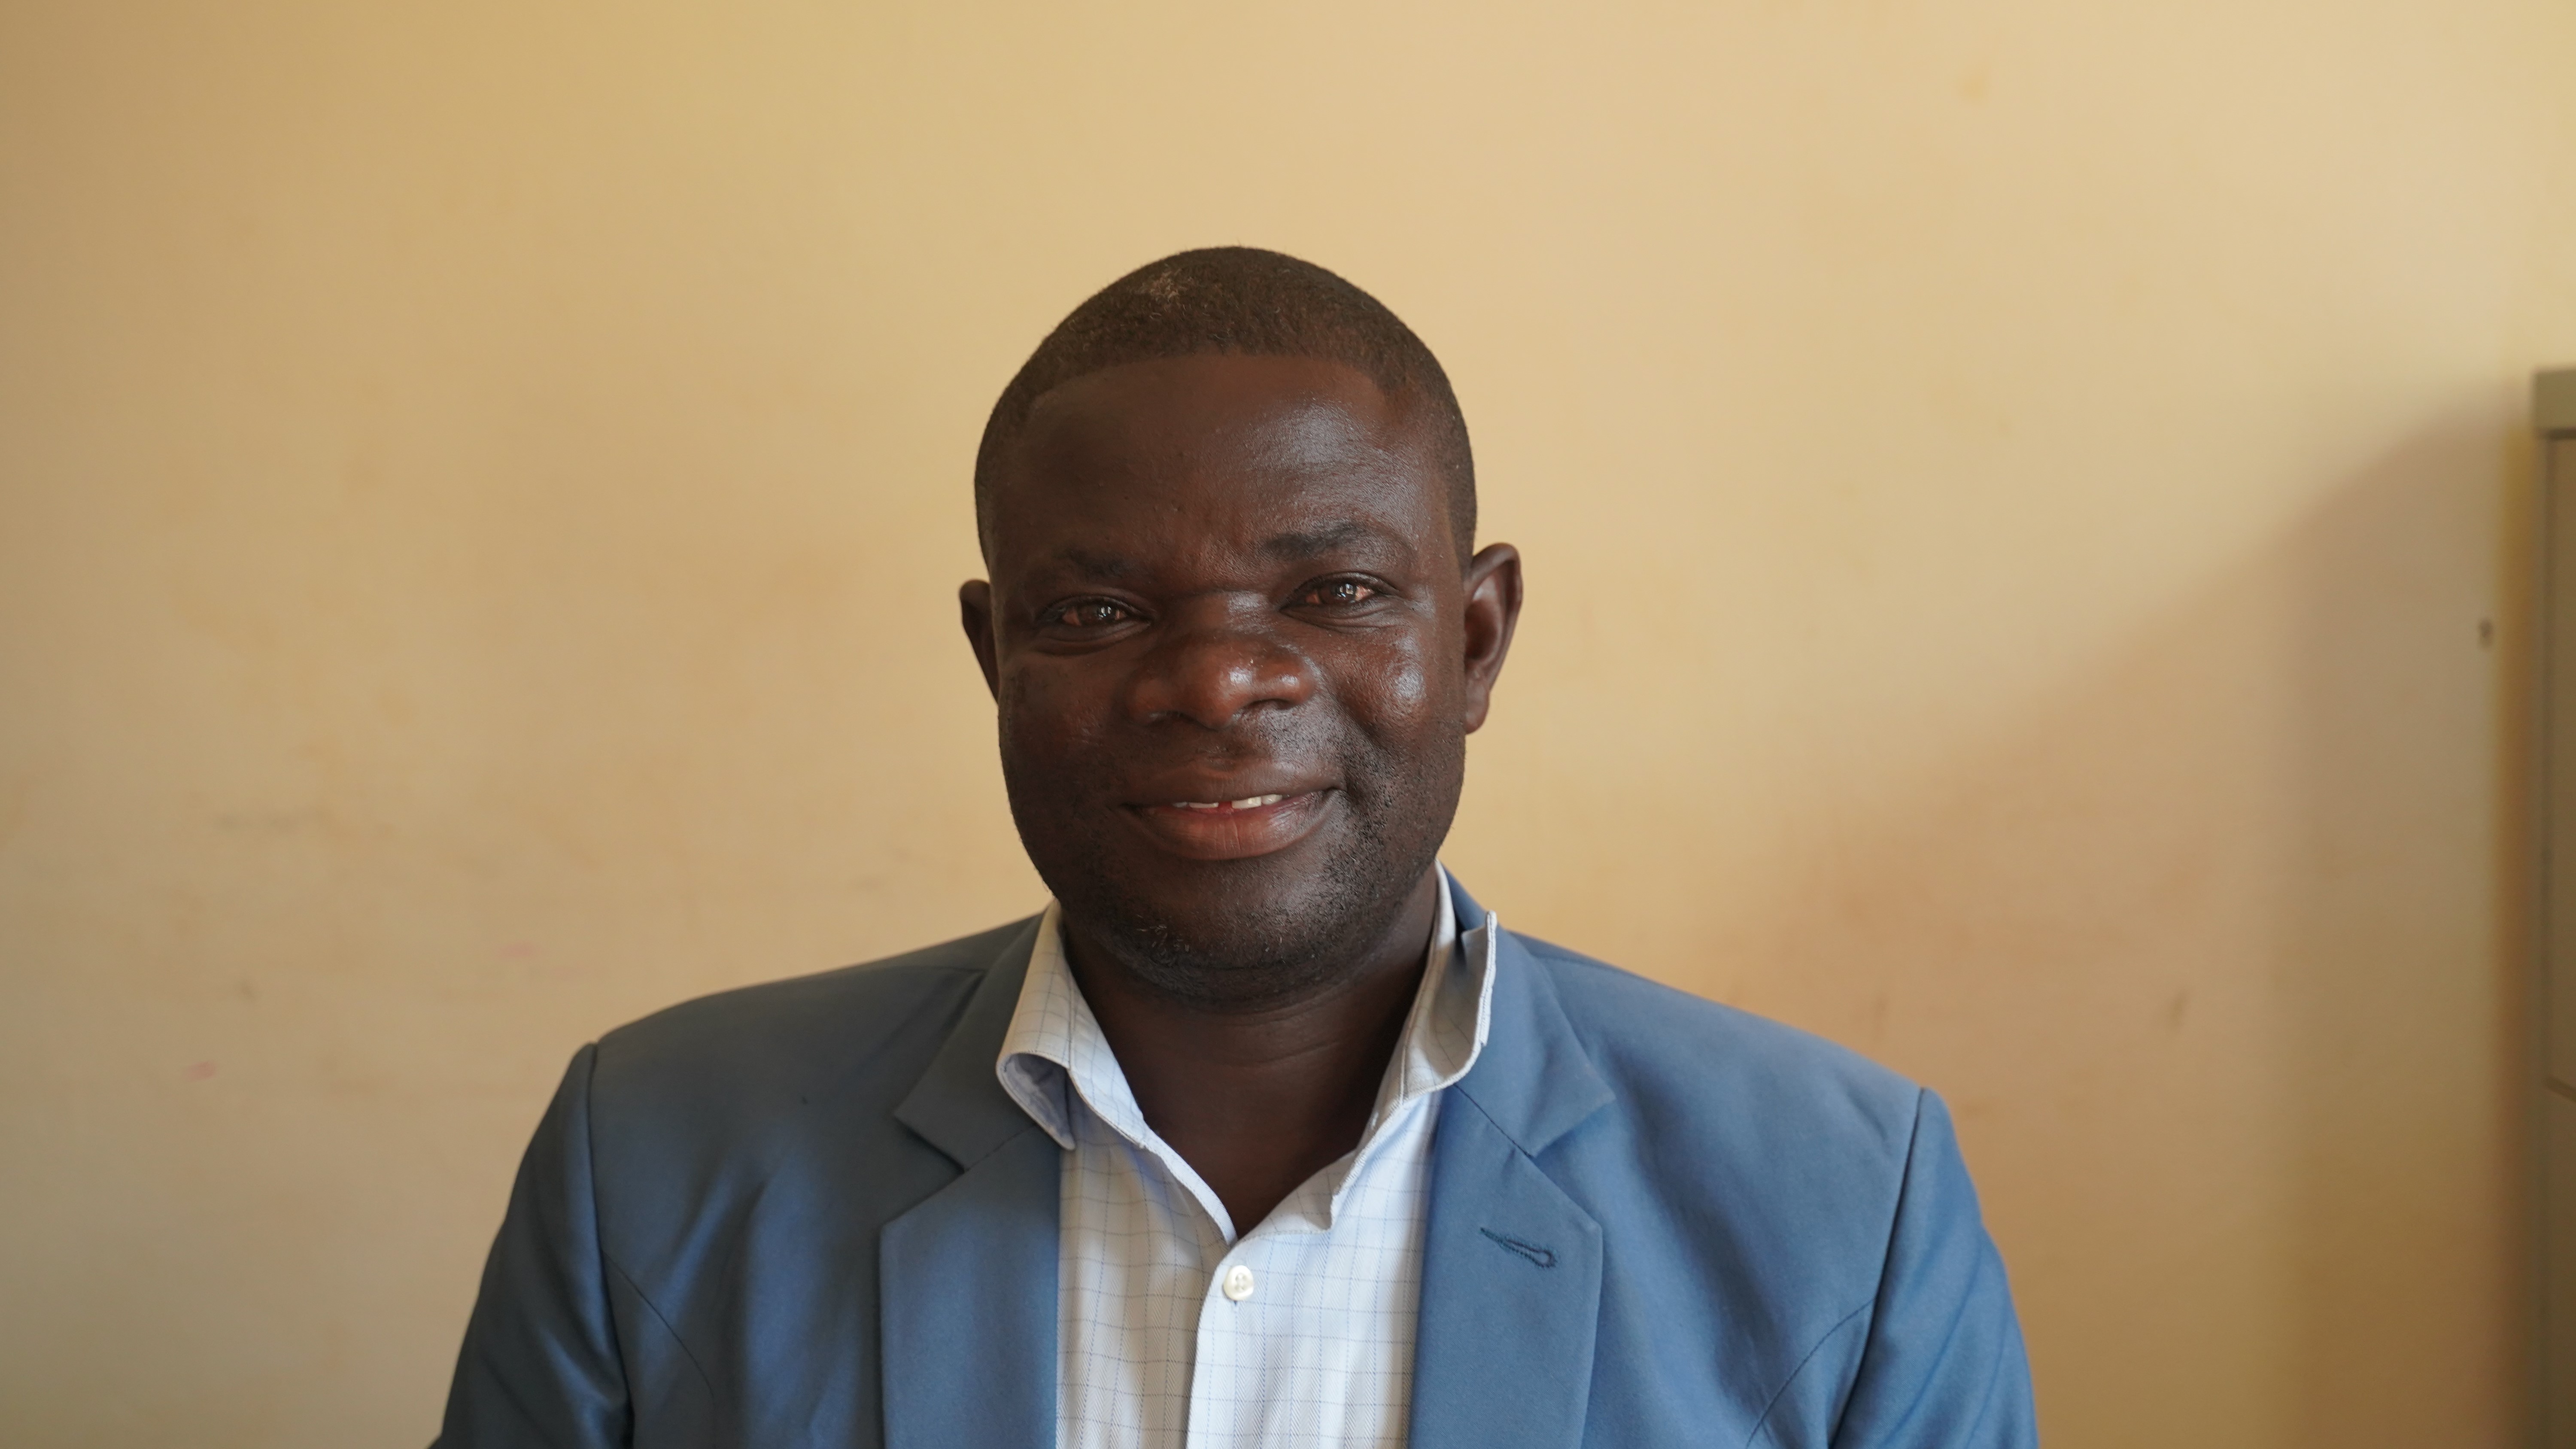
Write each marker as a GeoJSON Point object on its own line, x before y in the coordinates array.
{"type": "Point", "coordinates": [1249, 802]}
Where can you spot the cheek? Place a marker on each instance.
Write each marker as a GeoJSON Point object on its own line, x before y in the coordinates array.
{"type": "Point", "coordinates": [1050, 714]}
{"type": "Point", "coordinates": [1394, 692]}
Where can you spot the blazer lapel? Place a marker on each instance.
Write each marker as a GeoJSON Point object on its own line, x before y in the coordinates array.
{"type": "Point", "coordinates": [968, 1275]}
{"type": "Point", "coordinates": [1511, 1274]}
{"type": "Point", "coordinates": [970, 1306]}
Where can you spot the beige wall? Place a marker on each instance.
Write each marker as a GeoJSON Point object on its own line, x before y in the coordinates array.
{"type": "Point", "coordinates": [2014, 495]}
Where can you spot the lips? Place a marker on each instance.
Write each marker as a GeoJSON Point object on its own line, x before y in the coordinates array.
{"type": "Point", "coordinates": [1236, 829]}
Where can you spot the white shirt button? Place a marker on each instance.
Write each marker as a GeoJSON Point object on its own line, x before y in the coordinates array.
{"type": "Point", "coordinates": [1238, 1282]}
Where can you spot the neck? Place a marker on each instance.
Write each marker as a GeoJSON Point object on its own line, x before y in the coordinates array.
{"type": "Point", "coordinates": [1259, 1101]}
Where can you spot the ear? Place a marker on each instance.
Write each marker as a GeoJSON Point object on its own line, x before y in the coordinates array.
{"type": "Point", "coordinates": [1493, 611]}
{"type": "Point", "coordinates": [975, 611]}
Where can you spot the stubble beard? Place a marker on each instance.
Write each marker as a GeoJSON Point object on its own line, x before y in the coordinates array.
{"type": "Point", "coordinates": [1264, 944]}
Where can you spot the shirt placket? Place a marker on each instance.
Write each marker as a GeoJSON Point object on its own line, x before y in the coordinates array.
{"type": "Point", "coordinates": [1239, 1315]}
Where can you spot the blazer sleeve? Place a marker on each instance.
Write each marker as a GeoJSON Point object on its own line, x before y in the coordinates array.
{"type": "Point", "coordinates": [1942, 1366]}
{"type": "Point", "coordinates": [540, 1365]}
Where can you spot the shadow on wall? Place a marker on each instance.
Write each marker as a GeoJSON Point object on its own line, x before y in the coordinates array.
{"type": "Point", "coordinates": [2403, 942]}
{"type": "Point", "coordinates": [2219, 963]}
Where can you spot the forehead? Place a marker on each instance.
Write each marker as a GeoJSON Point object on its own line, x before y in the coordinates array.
{"type": "Point", "coordinates": [1214, 453]}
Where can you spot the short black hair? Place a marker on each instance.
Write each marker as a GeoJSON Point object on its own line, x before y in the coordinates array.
{"type": "Point", "coordinates": [1247, 301]}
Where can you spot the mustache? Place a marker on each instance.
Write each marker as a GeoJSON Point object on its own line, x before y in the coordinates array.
{"type": "Point", "coordinates": [1272, 755]}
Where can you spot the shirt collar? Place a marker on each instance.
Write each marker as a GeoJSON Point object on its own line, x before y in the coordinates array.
{"type": "Point", "coordinates": [1054, 1054]}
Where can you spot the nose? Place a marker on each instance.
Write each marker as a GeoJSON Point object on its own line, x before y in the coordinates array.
{"type": "Point", "coordinates": [1215, 663]}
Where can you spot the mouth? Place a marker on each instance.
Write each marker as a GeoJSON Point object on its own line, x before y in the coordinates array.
{"type": "Point", "coordinates": [1233, 829]}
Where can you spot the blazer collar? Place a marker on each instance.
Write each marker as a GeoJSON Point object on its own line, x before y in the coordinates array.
{"type": "Point", "coordinates": [959, 1106]}
{"type": "Point", "coordinates": [1534, 1080]}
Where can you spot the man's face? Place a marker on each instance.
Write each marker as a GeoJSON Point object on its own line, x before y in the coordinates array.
{"type": "Point", "coordinates": [1236, 659]}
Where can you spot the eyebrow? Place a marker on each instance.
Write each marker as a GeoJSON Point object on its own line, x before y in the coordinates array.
{"type": "Point", "coordinates": [1292, 546]}
{"type": "Point", "coordinates": [1096, 565]}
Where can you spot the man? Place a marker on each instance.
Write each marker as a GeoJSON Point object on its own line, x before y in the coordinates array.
{"type": "Point", "coordinates": [1264, 1133]}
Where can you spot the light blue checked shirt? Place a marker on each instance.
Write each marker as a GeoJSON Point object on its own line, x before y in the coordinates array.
{"type": "Point", "coordinates": [1176, 1330]}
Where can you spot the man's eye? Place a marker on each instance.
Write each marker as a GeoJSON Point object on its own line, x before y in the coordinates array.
{"type": "Point", "coordinates": [1340, 593]}
{"type": "Point", "coordinates": [1089, 614]}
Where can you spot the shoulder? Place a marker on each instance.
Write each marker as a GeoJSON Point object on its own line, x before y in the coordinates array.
{"type": "Point", "coordinates": [1793, 1208]}
{"type": "Point", "coordinates": [869, 1029]}
{"type": "Point", "coordinates": [1711, 1093]}
{"type": "Point", "coordinates": [1737, 1161]}
{"type": "Point", "coordinates": [764, 1119]}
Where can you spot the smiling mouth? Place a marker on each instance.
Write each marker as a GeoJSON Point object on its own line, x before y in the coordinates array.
{"type": "Point", "coordinates": [1232, 829]}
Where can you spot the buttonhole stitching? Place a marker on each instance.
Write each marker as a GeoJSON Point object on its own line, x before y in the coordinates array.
{"type": "Point", "coordinates": [1544, 1257]}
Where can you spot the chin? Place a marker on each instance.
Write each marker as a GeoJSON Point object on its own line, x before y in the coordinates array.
{"type": "Point", "coordinates": [1243, 933]}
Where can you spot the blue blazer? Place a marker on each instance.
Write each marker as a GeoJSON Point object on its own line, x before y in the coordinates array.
{"type": "Point", "coordinates": [806, 1214]}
